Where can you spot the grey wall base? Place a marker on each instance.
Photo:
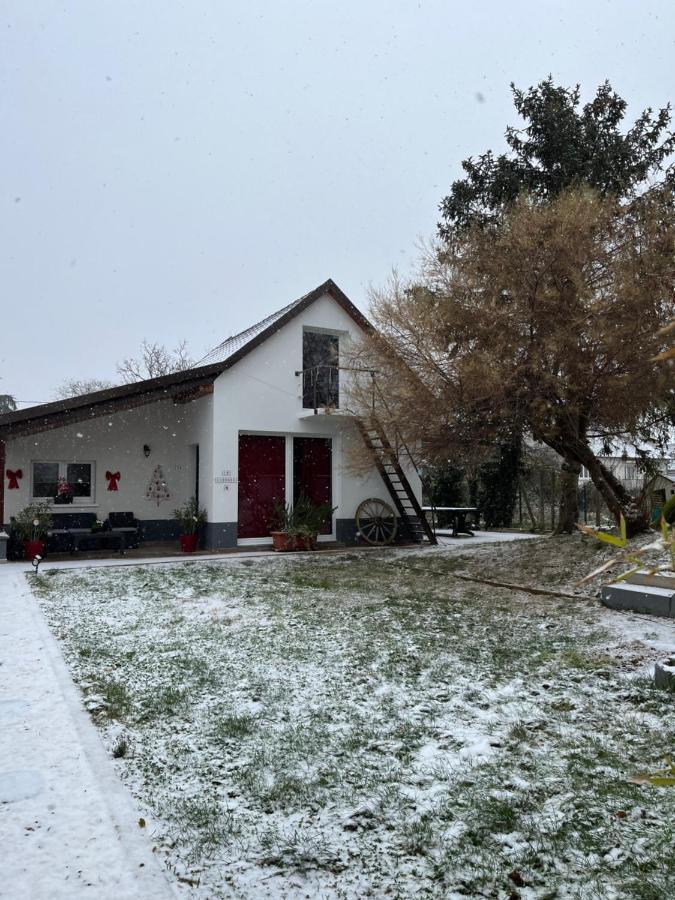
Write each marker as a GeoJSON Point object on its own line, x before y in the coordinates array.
{"type": "Point", "coordinates": [220, 535]}
{"type": "Point", "coordinates": [160, 529]}
{"type": "Point", "coordinates": [213, 536]}
{"type": "Point", "coordinates": [656, 601]}
{"type": "Point", "coordinates": [345, 531]}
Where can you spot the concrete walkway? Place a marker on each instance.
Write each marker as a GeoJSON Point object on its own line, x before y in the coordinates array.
{"type": "Point", "coordinates": [68, 828]}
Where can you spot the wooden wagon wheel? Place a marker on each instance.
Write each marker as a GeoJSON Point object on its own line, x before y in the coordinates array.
{"type": "Point", "coordinates": [376, 521]}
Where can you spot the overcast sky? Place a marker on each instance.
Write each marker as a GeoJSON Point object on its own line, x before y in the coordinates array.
{"type": "Point", "coordinates": [181, 169]}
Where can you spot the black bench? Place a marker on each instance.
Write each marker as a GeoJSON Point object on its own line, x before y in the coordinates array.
{"type": "Point", "coordinates": [71, 532]}
{"type": "Point", "coordinates": [59, 538]}
{"type": "Point", "coordinates": [127, 526]}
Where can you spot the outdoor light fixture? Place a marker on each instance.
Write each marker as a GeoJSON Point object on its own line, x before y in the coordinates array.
{"type": "Point", "coordinates": [146, 449]}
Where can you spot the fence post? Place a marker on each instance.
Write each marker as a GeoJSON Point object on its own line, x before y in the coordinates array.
{"type": "Point", "coordinates": [553, 499]}
{"type": "Point", "coordinates": [585, 501]}
{"type": "Point", "coordinates": [542, 506]}
{"type": "Point", "coordinates": [527, 504]}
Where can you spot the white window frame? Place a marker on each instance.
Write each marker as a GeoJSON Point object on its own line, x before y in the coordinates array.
{"type": "Point", "coordinates": [63, 471]}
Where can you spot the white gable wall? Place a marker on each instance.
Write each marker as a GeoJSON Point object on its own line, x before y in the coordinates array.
{"type": "Point", "coordinates": [261, 394]}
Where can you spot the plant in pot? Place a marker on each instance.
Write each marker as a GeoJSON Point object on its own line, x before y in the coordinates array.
{"type": "Point", "coordinates": [191, 518]}
{"type": "Point", "coordinates": [311, 519]}
{"type": "Point", "coordinates": [64, 491]}
{"type": "Point", "coordinates": [31, 525]}
{"type": "Point", "coordinates": [297, 527]}
{"type": "Point", "coordinates": [283, 532]}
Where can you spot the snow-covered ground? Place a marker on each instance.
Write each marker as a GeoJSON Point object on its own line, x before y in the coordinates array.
{"type": "Point", "coordinates": [68, 829]}
{"type": "Point", "coordinates": [366, 724]}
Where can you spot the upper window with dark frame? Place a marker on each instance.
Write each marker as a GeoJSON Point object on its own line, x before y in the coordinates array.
{"type": "Point", "coordinates": [321, 375]}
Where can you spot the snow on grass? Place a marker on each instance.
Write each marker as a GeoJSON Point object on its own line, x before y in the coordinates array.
{"type": "Point", "coordinates": [366, 725]}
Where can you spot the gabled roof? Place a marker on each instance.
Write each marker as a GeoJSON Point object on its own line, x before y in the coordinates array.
{"type": "Point", "coordinates": [177, 384]}
{"type": "Point", "coordinates": [230, 345]}
{"type": "Point", "coordinates": [251, 337]}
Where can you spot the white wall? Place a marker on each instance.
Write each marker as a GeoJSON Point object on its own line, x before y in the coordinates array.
{"type": "Point", "coordinates": [115, 443]}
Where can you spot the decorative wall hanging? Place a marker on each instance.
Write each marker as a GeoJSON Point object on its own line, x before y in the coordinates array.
{"type": "Point", "coordinates": [113, 478]}
{"type": "Point", "coordinates": [157, 489]}
{"type": "Point", "coordinates": [64, 491]}
{"type": "Point", "coordinates": [14, 478]}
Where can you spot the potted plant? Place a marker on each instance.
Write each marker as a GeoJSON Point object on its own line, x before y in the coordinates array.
{"type": "Point", "coordinates": [31, 525]}
{"type": "Point", "coordinates": [297, 527]}
{"type": "Point", "coordinates": [283, 532]}
{"type": "Point", "coordinates": [191, 517]}
{"type": "Point", "coordinates": [310, 519]}
{"type": "Point", "coordinates": [64, 491]}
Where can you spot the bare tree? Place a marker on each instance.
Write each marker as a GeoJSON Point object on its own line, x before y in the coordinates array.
{"type": "Point", "coordinates": [155, 360]}
{"type": "Point", "coordinates": [7, 403]}
{"type": "Point", "coordinates": [75, 387]}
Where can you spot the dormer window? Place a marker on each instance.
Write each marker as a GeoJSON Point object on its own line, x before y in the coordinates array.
{"type": "Point", "coordinates": [320, 373]}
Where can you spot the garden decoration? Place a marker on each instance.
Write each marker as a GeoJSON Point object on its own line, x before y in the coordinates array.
{"type": "Point", "coordinates": [157, 489]}
{"type": "Point", "coordinates": [376, 522]}
{"type": "Point", "coordinates": [13, 478]}
{"type": "Point", "coordinates": [64, 491]}
{"type": "Point", "coordinates": [113, 478]}
{"type": "Point", "coordinates": [191, 518]}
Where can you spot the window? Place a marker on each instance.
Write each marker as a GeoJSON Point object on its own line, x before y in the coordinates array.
{"type": "Point", "coordinates": [320, 360]}
{"type": "Point", "coordinates": [78, 475]}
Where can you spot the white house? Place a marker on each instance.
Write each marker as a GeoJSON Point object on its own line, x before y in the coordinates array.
{"type": "Point", "coordinates": [260, 417]}
{"type": "Point", "coordinates": [625, 464]}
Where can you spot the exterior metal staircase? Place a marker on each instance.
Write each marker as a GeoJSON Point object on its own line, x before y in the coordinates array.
{"type": "Point", "coordinates": [386, 459]}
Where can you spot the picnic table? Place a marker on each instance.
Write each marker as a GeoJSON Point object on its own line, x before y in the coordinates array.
{"type": "Point", "coordinates": [457, 515]}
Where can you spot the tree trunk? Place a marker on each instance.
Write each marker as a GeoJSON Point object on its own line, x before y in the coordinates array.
{"type": "Point", "coordinates": [569, 496]}
{"type": "Point", "coordinates": [615, 495]}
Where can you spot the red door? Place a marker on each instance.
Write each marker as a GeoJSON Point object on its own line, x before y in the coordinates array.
{"type": "Point", "coordinates": [312, 472]}
{"type": "Point", "coordinates": [262, 471]}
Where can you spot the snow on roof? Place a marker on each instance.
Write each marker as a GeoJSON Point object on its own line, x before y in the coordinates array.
{"type": "Point", "coordinates": [231, 344]}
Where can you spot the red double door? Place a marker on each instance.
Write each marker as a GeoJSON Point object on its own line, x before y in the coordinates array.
{"type": "Point", "coordinates": [262, 477]}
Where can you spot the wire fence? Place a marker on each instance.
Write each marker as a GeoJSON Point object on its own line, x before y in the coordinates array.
{"type": "Point", "coordinates": [538, 500]}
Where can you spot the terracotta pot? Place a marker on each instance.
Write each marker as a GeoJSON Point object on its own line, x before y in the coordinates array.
{"type": "Point", "coordinates": [284, 542]}
{"type": "Point", "coordinates": [281, 541]}
{"type": "Point", "coordinates": [33, 548]}
{"type": "Point", "coordinates": [188, 542]}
